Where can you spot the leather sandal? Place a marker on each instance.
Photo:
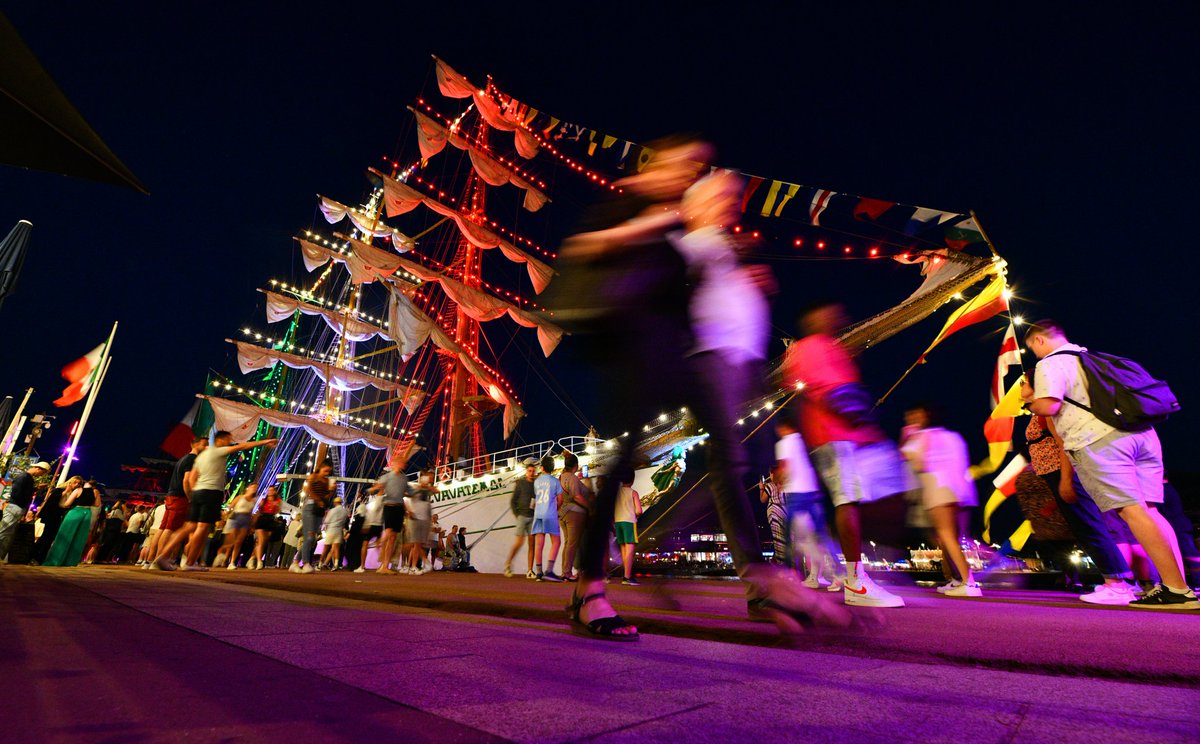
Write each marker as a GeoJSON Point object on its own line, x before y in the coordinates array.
{"type": "Point", "coordinates": [603, 627]}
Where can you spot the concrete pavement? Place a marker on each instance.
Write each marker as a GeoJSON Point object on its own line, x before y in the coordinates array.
{"type": "Point", "coordinates": [102, 654]}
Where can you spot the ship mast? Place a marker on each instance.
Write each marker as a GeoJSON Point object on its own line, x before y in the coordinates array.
{"type": "Point", "coordinates": [463, 415]}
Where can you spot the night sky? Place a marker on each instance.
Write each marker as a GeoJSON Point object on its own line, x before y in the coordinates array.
{"type": "Point", "coordinates": [1071, 133]}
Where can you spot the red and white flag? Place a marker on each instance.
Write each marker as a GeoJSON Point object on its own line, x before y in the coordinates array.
{"type": "Point", "coordinates": [1010, 355]}
{"type": "Point", "coordinates": [820, 201]}
{"type": "Point", "coordinates": [179, 440]}
{"type": "Point", "coordinates": [80, 374]}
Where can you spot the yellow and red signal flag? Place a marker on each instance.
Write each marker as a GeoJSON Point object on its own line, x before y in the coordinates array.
{"type": "Point", "coordinates": [991, 301]}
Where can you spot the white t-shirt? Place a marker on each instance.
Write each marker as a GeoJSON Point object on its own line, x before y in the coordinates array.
{"type": "Point", "coordinates": [135, 522]}
{"type": "Point", "coordinates": [156, 516]}
{"type": "Point", "coordinates": [212, 464]}
{"type": "Point", "coordinates": [625, 512]}
{"type": "Point", "coordinates": [801, 477]}
{"type": "Point", "coordinates": [373, 511]}
{"type": "Point", "coordinates": [1061, 376]}
{"type": "Point", "coordinates": [940, 456]}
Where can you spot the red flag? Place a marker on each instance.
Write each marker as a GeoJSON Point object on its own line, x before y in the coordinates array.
{"type": "Point", "coordinates": [871, 209]}
{"type": "Point", "coordinates": [80, 373]}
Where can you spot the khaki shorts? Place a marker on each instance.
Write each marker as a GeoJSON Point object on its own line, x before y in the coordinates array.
{"type": "Point", "coordinates": [859, 473]}
{"type": "Point", "coordinates": [1121, 469]}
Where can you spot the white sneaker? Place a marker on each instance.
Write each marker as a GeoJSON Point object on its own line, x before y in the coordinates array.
{"type": "Point", "coordinates": [146, 566]}
{"type": "Point", "coordinates": [220, 561]}
{"type": "Point", "coordinates": [964, 590]}
{"type": "Point", "coordinates": [866, 593]}
{"type": "Point", "coordinates": [945, 588]}
{"type": "Point", "coordinates": [812, 581]}
{"type": "Point", "coordinates": [360, 569]}
{"type": "Point", "coordinates": [194, 567]}
{"type": "Point", "coordinates": [308, 570]}
{"type": "Point", "coordinates": [1118, 593]}
{"type": "Point", "coordinates": [294, 568]}
{"type": "Point", "coordinates": [836, 586]}
{"type": "Point", "coordinates": [508, 572]}
{"type": "Point", "coordinates": [163, 564]}
{"type": "Point", "coordinates": [231, 567]}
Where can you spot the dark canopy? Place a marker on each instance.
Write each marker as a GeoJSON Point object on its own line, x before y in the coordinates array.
{"type": "Point", "coordinates": [12, 257]}
{"type": "Point", "coordinates": [40, 129]}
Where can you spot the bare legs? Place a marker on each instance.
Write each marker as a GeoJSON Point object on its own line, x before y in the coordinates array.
{"type": "Point", "coordinates": [1159, 540]}
{"type": "Point", "coordinates": [627, 559]}
{"type": "Point", "coordinates": [945, 529]}
{"type": "Point", "coordinates": [555, 543]}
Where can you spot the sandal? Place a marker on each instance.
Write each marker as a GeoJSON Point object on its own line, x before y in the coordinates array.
{"type": "Point", "coordinates": [603, 627]}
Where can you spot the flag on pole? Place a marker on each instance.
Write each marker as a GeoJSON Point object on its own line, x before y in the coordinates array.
{"type": "Point", "coordinates": [982, 306]}
{"type": "Point", "coordinates": [80, 374]}
{"type": "Point", "coordinates": [1010, 356]}
{"type": "Point", "coordinates": [196, 422]}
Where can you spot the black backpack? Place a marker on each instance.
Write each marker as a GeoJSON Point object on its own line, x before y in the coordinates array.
{"type": "Point", "coordinates": [1123, 394]}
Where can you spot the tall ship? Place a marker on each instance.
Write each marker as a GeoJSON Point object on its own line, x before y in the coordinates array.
{"type": "Point", "coordinates": [411, 305]}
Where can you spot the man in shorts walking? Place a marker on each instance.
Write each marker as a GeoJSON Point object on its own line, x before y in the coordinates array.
{"type": "Point", "coordinates": [393, 486]}
{"type": "Point", "coordinates": [176, 509]}
{"type": "Point", "coordinates": [205, 485]}
{"type": "Point", "coordinates": [1121, 470]}
{"type": "Point", "coordinates": [523, 497]}
{"type": "Point", "coordinates": [852, 454]}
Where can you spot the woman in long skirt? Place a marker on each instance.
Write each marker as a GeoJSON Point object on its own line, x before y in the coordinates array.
{"type": "Point", "coordinates": [76, 526]}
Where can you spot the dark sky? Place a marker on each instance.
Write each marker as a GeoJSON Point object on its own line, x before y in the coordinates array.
{"type": "Point", "coordinates": [1070, 132]}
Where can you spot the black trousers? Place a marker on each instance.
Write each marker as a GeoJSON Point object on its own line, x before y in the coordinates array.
{"type": "Point", "coordinates": [647, 371]}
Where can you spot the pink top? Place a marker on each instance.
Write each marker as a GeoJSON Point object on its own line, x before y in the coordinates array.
{"type": "Point", "coordinates": [823, 365]}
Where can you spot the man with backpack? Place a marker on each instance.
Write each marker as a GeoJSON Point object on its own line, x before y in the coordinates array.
{"type": "Point", "coordinates": [1103, 408]}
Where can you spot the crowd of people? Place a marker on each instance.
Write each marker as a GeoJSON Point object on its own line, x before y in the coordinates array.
{"type": "Point", "coordinates": [657, 273]}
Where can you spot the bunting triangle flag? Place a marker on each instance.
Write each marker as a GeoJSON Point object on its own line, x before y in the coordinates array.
{"type": "Point", "coordinates": [982, 306]}
{"type": "Point", "coordinates": [80, 374]}
{"type": "Point", "coordinates": [963, 233]}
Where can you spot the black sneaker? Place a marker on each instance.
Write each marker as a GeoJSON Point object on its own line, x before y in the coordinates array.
{"type": "Point", "coordinates": [550, 576]}
{"type": "Point", "coordinates": [1162, 598]}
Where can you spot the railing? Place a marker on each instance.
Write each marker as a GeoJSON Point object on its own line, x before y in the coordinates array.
{"type": "Point", "coordinates": [510, 459]}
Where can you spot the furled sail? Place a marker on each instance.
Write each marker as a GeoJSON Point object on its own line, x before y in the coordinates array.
{"type": "Point", "coordinates": [412, 325]}
{"type": "Point", "coordinates": [946, 273]}
{"type": "Point", "coordinates": [432, 137]}
{"type": "Point", "coordinates": [241, 420]}
{"type": "Point", "coordinates": [366, 263]}
{"type": "Point", "coordinates": [281, 307]}
{"type": "Point", "coordinates": [251, 358]}
{"type": "Point", "coordinates": [484, 307]}
{"type": "Point", "coordinates": [335, 212]}
{"type": "Point", "coordinates": [400, 198]}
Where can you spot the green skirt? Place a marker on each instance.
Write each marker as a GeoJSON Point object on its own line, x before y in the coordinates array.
{"type": "Point", "coordinates": [71, 539]}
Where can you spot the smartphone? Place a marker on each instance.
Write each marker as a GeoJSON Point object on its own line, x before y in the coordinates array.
{"type": "Point", "coordinates": [585, 471]}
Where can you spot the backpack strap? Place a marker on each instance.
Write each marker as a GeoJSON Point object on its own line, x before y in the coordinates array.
{"type": "Point", "coordinates": [1077, 354]}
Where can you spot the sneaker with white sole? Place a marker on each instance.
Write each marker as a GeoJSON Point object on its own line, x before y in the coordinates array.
{"type": "Point", "coordinates": [360, 569]}
{"type": "Point", "coordinates": [945, 588]}
{"type": "Point", "coordinates": [294, 568]}
{"type": "Point", "coordinates": [1116, 593]}
{"type": "Point", "coordinates": [836, 586]}
{"type": "Point", "coordinates": [550, 576]}
{"type": "Point", "coordinates": [964, 590]}
{"type": "Point", "coordinates": [866, 593]}
{"type": "Point", "coordinates": [231, 567]}
{"type": "Point", "coordinates": [1163, 598]}
{"type": "Point", "coordinates": [308, 570]}
{"type": "Point", "coordinates": [194, 567]}
{"type": "Point", "coordinates": [163, 564]}
{"type": "Point", "coordinates": [530, 575]}
{"type": "Point", "coordinates": [508, 572]}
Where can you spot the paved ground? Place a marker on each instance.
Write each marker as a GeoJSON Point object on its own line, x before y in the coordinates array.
{"type": "Point", "coordinates": [104, 654]}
